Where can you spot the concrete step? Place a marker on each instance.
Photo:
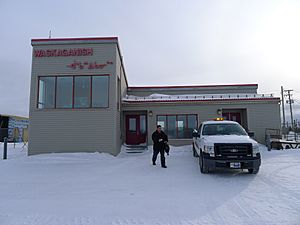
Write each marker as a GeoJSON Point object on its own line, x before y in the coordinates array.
{"type": "Point", "coordinates": [136, 148]}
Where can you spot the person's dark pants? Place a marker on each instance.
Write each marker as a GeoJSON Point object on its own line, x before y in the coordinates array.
{"type": "Point", "coordinates": [162, 156]}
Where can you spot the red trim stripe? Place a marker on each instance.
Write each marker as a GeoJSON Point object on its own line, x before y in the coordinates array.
{"type": "Point", "coordinates": [77, 39]}
{"type": "Point", "coordinates": [194, 86]}
{"type": "Point", "coordinates": [204, 100]}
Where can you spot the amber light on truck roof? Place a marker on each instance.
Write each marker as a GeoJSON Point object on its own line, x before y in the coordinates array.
{"type": "Point", "coordinates": [219, 119]}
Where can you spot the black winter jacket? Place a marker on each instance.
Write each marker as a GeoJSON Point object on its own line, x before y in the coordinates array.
{"type": "Point", "coordinates": [159, 145]}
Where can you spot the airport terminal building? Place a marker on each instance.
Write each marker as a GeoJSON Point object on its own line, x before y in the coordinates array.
{"type": "Point", "coordinates": [80, 101]}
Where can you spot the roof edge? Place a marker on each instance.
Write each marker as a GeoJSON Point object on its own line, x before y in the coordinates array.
{"type": "Point", "coordinates": [75, 39]}
{"type": "Point", "coordinates": [201, 100]}
{"type": "Point", "coordinates": [193, 86]}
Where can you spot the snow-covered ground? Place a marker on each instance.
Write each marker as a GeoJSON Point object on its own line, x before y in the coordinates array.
{"type": "Point", "coordinates": [93, 189]}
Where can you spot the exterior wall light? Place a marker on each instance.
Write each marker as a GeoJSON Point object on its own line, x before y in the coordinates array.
{"type": "Point", "coordinates": [219, 112]}
{"type": "Point", "coordinates": [150, 113]}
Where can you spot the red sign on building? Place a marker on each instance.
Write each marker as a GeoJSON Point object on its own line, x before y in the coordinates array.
{"type": "Point", "coordinates": [88, 65]}
{"type": "Point", "coordinates": [63, 52]}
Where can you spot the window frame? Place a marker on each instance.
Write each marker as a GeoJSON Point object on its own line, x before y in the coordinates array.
{"type": "Point", "coordinates": [73, 92]}
{"type": "Point", "coordinates": [176, 115]}
{"type": "Point", "coordinates": [38, 94]}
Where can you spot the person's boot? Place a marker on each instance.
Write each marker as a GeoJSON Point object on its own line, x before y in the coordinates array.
{"type": "Point", "coordinates": [164, 166]}
{"type": "Point", "coordinates": [153, 163]}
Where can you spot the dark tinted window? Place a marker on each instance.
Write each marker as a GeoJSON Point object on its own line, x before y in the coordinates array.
{"type": "Point", "coordinates": [73, 92]}
{"type": "Point", "coordinates": [100, 91]}
{"type": "Point", "coordinates": [64, 92]}
{"type": "Point", "coordinates": [223, 129]}
{"type": "Point", "coordinates": [82, 91]}
{"type": "Point", "coordinates": [178, 126]}
{"type": "Point", "coordinates": [171, 121]}
{"type": "Point", "coordinates": [46, 98]}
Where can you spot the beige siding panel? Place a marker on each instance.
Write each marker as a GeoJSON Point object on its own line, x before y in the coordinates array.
{"type": "Point", "coordinates": [74, 130]}
{"type": "Point", "coordinates": [123, 82]}
{"type": "Point", "coordinates": [263, 116]}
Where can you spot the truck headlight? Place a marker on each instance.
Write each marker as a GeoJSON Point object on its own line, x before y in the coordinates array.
{"type": "Point", "coordinates": [210, 150]}
{"type": "Point", "coordinates": [255, 149]}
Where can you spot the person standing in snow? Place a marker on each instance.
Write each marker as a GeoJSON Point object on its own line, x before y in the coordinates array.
{"type": "Point", "coordinates": [159, 139]}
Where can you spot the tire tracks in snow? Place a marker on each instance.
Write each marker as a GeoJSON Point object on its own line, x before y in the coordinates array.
{"type": "Point", "coordinates": [277, 186]}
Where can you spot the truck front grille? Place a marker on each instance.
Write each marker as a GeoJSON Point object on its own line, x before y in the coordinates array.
{"type": "Point", "coordinates": [233, 150]}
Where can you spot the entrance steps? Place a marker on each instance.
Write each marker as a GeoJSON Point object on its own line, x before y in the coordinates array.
{"type": "Point", "coordinates": [136, 148]}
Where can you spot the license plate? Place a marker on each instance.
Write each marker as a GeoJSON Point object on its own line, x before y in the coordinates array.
{"type": "Point", "coordinates": [235, 165]}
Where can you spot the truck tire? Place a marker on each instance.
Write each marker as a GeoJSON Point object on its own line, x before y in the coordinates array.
{"type": "Point", "coordinates": [253, 171]}
{"type": "Point", "coordinates": [203, 169]}
{"type": "Point", "coordinates": [194, 151]}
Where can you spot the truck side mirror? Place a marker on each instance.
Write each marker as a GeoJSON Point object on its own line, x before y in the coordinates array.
{"type": "Point", "coordinates": [251, 134]}
{"type": "Point", "coordinates": [195, 133]}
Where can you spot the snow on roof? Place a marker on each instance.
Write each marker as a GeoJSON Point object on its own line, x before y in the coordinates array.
{"type": "Point", "coordinates": [194, 97]}
{"type": "Point", "coordinates": [192, 86]}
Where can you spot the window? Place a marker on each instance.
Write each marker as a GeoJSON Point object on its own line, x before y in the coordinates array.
{"type": "Point", "coordinates": [172, 133]}
{"type": "Point", "coordinates": [181, 126]}
{"type": "Point", "coordinates": [46, 94]}
{"type": "Point", "coordinates": [132, 124]}
{"type": "Point", "coordinates": [82, 91]}
{"type": "Point", "coordinates": [223, 129]}
{"type": "Point", "coordinates": [100, 91]}
{"type": "Point", "coordinates": [143, 124]}
{"type": "Point", "coordinates": [64, 92]}
{"type": "Point", "coordinates": [178, 126]}
{"type": "Point", "coordinates": [162, 121]}
{"type": "Point", "coordinates": [73, 92]}
{"type": "Point", "coordinates": [192, 123]}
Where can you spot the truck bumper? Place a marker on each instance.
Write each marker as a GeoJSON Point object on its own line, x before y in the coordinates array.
{"type": "Point", "coordinates": [245, 164]}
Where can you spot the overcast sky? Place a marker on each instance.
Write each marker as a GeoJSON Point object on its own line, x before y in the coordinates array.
{"type": "Point", "coordinates": [166, 42]}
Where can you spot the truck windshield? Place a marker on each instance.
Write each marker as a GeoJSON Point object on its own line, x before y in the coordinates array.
{"type": "Point", "coordinates": [223, 129]}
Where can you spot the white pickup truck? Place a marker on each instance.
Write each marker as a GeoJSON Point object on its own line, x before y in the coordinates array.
{"type": "Point", "coordinates": [226, 144]}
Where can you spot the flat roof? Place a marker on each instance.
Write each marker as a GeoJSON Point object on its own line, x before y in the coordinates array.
{"type": "Point", "coordinates": [76, 39]}
{"type": "Point", "coordinates": [193, 86]}
{"type": "Point", "coordinates": [199, 98]}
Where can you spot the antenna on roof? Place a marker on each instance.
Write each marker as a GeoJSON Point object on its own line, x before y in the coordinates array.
{"type": "Point", "coordinates": [49, 34]}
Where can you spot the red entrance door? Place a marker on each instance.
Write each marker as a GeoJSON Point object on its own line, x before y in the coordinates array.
{"type": "Point", "coordinates": [233, 116]}
{"type": "Point", "coordinates": [136, 131]}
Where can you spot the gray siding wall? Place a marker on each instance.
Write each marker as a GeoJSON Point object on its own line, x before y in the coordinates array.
{"type": "Point", "coordinates": [263, 116]}
{"type": "Point", "coordinates": [260, 115]}
{"type": "Point", "coordinates": [123, 90]}
{"type": "Point", "coordinates": [194, 90]}
{"type": "Point", "coordinates": [74, 130]}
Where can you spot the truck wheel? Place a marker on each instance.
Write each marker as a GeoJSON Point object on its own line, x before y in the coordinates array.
{"type": "Point", "coordinates": [253, 171]}
{"type": "Point", "coordinates": [203, 169]}
{"type": "Point", "coordinates": [194, 151]}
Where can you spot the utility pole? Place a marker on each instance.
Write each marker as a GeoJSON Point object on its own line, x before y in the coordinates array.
{"type": "Point", "coordinates": [283, 112]}
{"type": "Point", "coordinates": [290, 101]}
